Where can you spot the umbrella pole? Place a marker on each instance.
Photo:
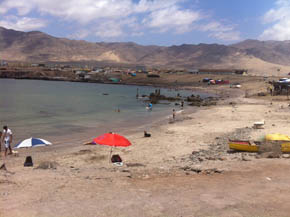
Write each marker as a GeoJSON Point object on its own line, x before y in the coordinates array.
{"type": "Point", "coordinates": [110, 154]}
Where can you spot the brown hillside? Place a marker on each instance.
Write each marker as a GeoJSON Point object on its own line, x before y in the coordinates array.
{"type": "Point", "coordinates": [259, 57]}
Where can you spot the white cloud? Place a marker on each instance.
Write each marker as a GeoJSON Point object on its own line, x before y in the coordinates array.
{"type": "Point", "coordinates": [116, 18]}
{"type": "Point", "coordinates": [226, 36]}
{"type": "Point", "coordinates": [149, 6]}
{"type": "Point", "coordinates": [109, 29]}
{"type": "Point", "coordinates": [22, 23]}
{"type": "Point", "coordinates": [83, 11]}
{"type": "Point", "coordinates": [215, 26]}
{"type": "Point", "coordinates": [163, 14]}
{"type": "Point", "coordinates": [172, 18]}
{"type": "Point", "coordinates": [22, 7]}
{"type": "Point", "coordinates": [279, 18]}
{"type": "Point", "coordinates": [220, 31]}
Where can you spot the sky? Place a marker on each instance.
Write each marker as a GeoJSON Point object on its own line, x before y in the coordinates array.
{"type": "Point", "coordinates": [151, 22]}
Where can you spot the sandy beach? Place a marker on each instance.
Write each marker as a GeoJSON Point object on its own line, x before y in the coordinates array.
{"type": "Point", "coordinates": [183, 169]}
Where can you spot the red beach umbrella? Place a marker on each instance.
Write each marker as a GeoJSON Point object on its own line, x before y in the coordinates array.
{"type": "Point", "coordinates": [112, 139]}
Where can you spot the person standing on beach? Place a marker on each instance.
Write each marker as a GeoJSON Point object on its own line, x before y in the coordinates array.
{"type": "Point", "coordinates": [7, 139]}
{"type": "Point", "coordinates": [173, 114]}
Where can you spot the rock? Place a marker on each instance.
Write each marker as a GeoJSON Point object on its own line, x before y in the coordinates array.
{"type": "Point", "coordinates": [200, 159]}
{"type": "Point", "coordinates": [286, 155]}
{"type": "Point", "coordinates": [47, 165]}
{"type": "Point", "coordinates": [262, 94]}
{"type": "Point", "coordinates": [211, 171]}
{"type": "Point", "coordinates": [245, 158]}
{"type": "Point", "coordinates": [191, 169]}
{"type": "Point", "coordinates": [269, 155]}
{"type": "Point", "coordinates": [211, 158]}
{"type": "Point", "coordinates": [146, 176]}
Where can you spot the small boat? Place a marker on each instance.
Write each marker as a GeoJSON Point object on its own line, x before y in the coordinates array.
{"type": "Point", "coordinates": [284, 139]}
{"type": "Point", "coordinates": [240, 145]}
{"type": "Point", "coordinates": [285, 147]}
{"type": "Point", "coordinates": [248, 146]}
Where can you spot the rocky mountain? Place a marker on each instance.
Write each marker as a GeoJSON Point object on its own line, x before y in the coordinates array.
{"type": "Point", "coordinates": [271, 51]}
{"type": "Point", "coordinates": [39, 47]}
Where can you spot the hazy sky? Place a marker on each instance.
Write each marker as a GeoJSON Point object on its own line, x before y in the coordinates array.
{"type": "Point", "coordinates": [157, 22]}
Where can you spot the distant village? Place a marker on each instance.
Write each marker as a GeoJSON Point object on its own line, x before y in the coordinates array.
{"type": "Point", "coordinates": [96, 73]}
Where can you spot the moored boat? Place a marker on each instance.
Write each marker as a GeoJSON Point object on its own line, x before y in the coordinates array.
{"type": "Point", "coordinates": [285, 147]}
{"type": "Point", "coordinates": [240, 145]}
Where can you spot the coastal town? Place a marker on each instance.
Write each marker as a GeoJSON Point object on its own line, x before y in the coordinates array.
{"type": "Point", "coordinates": [89, 73]}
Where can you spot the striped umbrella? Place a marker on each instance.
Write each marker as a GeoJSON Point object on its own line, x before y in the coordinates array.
{"type": "Point", "coordinates": [32, 142]}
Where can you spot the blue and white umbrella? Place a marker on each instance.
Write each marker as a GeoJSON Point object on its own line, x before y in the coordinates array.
{"type": "Point", "coordinates": [32, 142]}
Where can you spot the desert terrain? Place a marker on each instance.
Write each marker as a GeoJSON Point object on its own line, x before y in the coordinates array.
{"type": "Point", "coordinates": [184, 169]}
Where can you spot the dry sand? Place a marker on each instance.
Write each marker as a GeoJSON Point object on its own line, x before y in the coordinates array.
{"type": "Point", "coordinates": [184, 169]}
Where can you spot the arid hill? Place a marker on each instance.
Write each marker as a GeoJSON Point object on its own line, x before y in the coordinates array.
{"type": "Point", "coordinates": [270, 51]}
{"type": "Point", "coordinates": [258, 57]}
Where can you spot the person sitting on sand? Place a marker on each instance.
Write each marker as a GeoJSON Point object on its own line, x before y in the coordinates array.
{"type": "Point", "coordinates": [7, 139]}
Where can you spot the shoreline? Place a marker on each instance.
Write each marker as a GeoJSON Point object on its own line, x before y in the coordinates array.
{"type": "Point", "coordinates": [145, 123]}
{"type": "Point", "coordinates": [144, 84]}
{"type": "Point", "coordinates": [184, 168]}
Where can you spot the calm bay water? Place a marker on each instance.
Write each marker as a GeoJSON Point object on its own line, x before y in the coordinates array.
{"type": "Point", "coordinates": [54, 108]}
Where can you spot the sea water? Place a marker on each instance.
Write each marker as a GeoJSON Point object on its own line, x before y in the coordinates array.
{"type": "Point", "coordinates": [48, 109]}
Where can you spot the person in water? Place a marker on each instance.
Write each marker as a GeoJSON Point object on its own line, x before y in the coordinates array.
{"type": "Point", "coordinates": [150, 105]}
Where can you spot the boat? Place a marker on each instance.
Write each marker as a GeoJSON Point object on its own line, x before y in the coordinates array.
{"type": "Point", "coordinates": [284, 139]}
{"type": "Point", "coordinates": [240, 145]}
{"type": "Point", "coordinates": [285, 147]}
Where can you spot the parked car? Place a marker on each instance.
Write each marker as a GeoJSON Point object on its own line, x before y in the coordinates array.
{"type": "Point", "coordinates": [205, 80]}
{"type": "Point", "coordinates": [235, 85]}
